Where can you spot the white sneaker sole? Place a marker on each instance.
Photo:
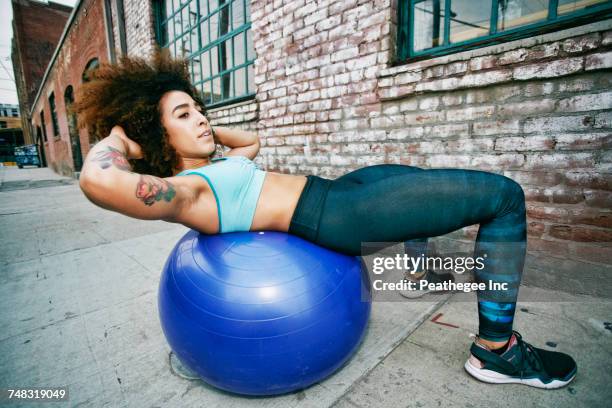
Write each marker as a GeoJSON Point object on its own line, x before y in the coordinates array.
{"type": "Point", "coordinates": [493, 377]}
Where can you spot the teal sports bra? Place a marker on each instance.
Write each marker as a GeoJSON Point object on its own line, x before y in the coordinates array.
{"type": "Point", "coordinates": [236, 183]}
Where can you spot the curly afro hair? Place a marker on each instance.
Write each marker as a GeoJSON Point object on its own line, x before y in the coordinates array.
{"type": "Point", "coordinates": [128, 94]}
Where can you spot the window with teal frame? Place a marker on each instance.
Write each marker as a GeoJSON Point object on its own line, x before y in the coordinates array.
{"type": "Point", "coordinates": [216, 38]}
{"type": "Point", "coordinates": [430, 28]}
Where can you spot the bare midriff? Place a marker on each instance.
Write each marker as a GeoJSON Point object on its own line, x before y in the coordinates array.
{"type": "Point", "coordinates": [275, 207]}
{"type": "Point", "coordinates": [277, 201]}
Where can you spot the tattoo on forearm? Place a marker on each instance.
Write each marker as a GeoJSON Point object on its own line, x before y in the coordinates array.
{"type": "Point", "coordinates": [112, 157]}
{"type": "Point", "coordinates": [151, 189]}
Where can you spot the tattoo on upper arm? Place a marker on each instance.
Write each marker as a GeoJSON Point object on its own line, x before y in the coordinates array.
{"type": "Point", "coordinates": [151, 189]}
{"type": "Point", "coordinates": [112, 157]}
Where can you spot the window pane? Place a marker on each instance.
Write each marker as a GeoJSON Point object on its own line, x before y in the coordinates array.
{"type": "Point", "coordinates": [204, 33]}
{"type": "Point", "coordinates": [206, 93]}
{"type": "Point", "coordinates": [177, 26]}
{"type": "Point", "coordinates": [185, 20]}
{"type": "Point", "coordinates": [226, 80]}
{"type": "Point", "coordinates": [250, 49]}
{"type": "Point", "coordinates": [214, 27]}
{"type": "Point", "coordinates": [194, 70]}
{"type": "Point", "coordinates": [469, 19]}
{"type": "Point", "coordinates": [168, 9]}
{"type": "Point", "coordinates": [185, 50]}
{"type": "Point", "coordinates": [203, 8]}
{"type": "Point", "coordinates": [251, 74]}
{"type": "Point", "coordinates": [239, 48]}
{"type": "Point", "coordinates": [225, 49]}
{"type": "Point", "coordinates": [569, 6]}
{"type": "Point", "coordinates": [232, 85]}
{"type": "Point", "coordinates": [514, 13]}
{"type": "Point", "coordinates": [205, 65]}
{"type": "Point", "coordinates": [193, 13]}
{"type": "Point", "coordinates": [241, 82]}
{"type": "Point", "coordinates": [224, 21]}
{"type": "Point", "coordinates": [237, 13]}
{"type": "Point", "coordinates": [216, 90]}
{"type": "Point", "coordinates": [428, 24]}
{"type": "Point", "coordinates": [215, 61]}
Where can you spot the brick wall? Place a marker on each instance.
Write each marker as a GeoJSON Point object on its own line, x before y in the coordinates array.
{"type": "Point", "coordinates": [241, 115]}
{"type": "Point", "coordinates": [139, 27]}
{"type": "Point", "coordinates": [536, 110]}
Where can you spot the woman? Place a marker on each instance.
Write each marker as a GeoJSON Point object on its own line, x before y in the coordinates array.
{"type": "Point", "coordinates": [156, 123]}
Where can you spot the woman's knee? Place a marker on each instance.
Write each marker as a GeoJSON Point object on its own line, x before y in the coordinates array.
{"type": "Point", "coordinates": [512, 195]}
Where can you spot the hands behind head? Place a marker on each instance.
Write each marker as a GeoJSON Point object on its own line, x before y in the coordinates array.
{"type": "Point", "coordinates": [133, 149]}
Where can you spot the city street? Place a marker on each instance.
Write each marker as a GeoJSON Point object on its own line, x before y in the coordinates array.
{"type": "Point", "coordinates": [78, 308]}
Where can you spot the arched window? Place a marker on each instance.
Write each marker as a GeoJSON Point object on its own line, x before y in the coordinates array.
{"type": "Point", "coordinates": [68, 101]}
{"type": "Point", "coordinates": [56, 132]}
{"type": "Point", "coordinates": [89, 68]}
{"type": "Point", "coordinates": [75, 142]}
{"type": "Point", "coordinates": [69, 95]}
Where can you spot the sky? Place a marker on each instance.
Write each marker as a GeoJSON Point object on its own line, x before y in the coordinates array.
{"type": "Point", "coordinates": [8, 93]}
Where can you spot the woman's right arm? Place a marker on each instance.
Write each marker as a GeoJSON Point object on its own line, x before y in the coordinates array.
{"type": "Point", "coordinates": [108, 181]}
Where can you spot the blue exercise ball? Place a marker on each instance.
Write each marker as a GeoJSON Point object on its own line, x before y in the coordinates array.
{"type": "Point", "coordinates": [262, 313]}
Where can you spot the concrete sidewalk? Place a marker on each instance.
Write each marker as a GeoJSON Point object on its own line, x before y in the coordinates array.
{"type": "Point", "coordinates": [78, 307]}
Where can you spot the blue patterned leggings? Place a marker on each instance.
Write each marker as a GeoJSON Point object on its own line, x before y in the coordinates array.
{"type": "Point", "coordinates": [397, 203]}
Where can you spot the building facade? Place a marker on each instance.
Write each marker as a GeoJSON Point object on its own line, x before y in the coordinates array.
{"type": "Point", "coordinates": [81, 48]}
{"type": "Point", "coordinates": [37, 28]}
{"type": "Point", "coordinates": [505, 86]}
{"type": "Point", "coordinates": [9, 116]}
{"type": "Point", "coordinates": [11, 134]}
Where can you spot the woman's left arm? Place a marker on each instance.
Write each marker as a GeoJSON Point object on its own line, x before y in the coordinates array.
{"type": "Point", "coordinates": [240, 142]}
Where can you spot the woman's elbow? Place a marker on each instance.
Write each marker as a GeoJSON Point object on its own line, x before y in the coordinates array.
{"type": "Point", "coordinates": [92, 187]}
{"type": "Point", "coordinates": [255, 148]}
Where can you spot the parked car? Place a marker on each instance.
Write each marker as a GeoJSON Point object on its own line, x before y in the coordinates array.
{"type": "Point", "coordinates": [27, 155]}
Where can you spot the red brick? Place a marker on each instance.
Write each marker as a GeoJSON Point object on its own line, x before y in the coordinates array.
{"type": "Point", "coordinates": [543, 51]}
{"type": "Point", "coordinates": [590, 216]}
{"type": "Point", "coordinates": [522, 144]}
{"type": "Point", "coordinates": [583, 43]}
{"type": "Point", "coordinates": [598, 198]}
{"type": "Point", "coordinates": [535, 229]}
{"type": "Point", "coordinates": [535, 194]}
{"type": "Point", "coordinates": [566, 196]}
{"type": "Point", "coordinates": [580, 233]}
{"type": "Point", "coordinates": [536, 178]}
{"type": "Point", "coordinates": [542, 212]}
{"type": "Point", "coordinates": [448, 160]}
{"type": "Point", "coordinates": [493, 162]}
{"type": "Point", "coordinates": [539, 161]}
{"type": "Point", "coordinates": [512, 57]}
{"type": "Point", "coordinates": [485, 62]}
{"type": "Point", "coordinates": [588, 179]}
{"type": "Point", "coordinates": [581, 141]}
{"type": "Point", "coordinates": [552, 69]}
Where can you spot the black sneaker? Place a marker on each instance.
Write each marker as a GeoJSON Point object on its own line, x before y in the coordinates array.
{"type": "Point", "coordinates": [521, 363]}
{"type": "Point", "coordinates": [429, 277]}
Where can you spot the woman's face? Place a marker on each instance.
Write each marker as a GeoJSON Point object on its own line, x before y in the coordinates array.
{"type": "Point", "coordinates": [189, 132]}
